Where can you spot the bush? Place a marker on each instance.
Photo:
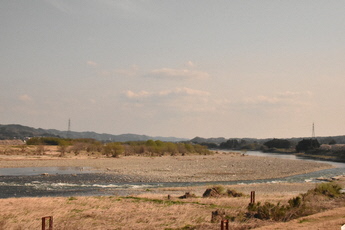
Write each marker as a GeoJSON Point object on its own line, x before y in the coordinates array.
{"type": "Point", "coordinates": [297, 207]}
{"type": "Point", "coordinates": [328, 189]}
{"type": "Point", "coordinates": [114, 149]}
{"type": "Point", "coordinates": [234, 193]}
{"type": "Point", "coordinates": [220, 191]}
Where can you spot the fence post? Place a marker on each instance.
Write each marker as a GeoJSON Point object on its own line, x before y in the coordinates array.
{"type": "Point", "coordinates": [50, 218]}
{"type": "Point", "coordinates": [226, 222]}
{"type": "Point", "coordinates": [252, 197]}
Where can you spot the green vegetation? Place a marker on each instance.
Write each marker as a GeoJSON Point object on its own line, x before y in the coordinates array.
{"type": "Point", "coordinates": [307, 144]}
{"type": "Point", "coordinates": [303, 205]}
{"type": "Point", "coordinates": [46, 141]}
{"type": "Point", "coordinates": [115, 149]}
{"type": "Point", "coordinates": [220, 191]}
{"type": "Point", "coordinates": [328, 189]}
{"type": "Point", "coordinates": [278, 143]}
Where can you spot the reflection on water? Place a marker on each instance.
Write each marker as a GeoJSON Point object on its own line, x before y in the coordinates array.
{"type": "Point", "coordinates": [293, 157]}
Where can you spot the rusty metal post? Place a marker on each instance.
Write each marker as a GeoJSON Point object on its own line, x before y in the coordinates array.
{"type": "Point", "coordinates": [50, 218]}
{"type": "Point", "coordinates": [252, 197]}
{"type": "Point", "coordinates": [226, 222]}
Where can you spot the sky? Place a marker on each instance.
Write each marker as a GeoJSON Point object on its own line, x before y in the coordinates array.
{"type": "Point", "coordinates": [233, 69]}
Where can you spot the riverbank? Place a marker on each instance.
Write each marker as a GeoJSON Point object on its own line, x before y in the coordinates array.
{"type": "Point", "coordinates": [190, 168]}
{"type": "Point", "coordinates": [156, 210]}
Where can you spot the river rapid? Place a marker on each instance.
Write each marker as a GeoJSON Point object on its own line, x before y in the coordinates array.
{"type": "Point", "coordinates": [68, 181]}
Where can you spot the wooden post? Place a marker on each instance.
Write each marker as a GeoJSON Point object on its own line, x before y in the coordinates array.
{"type": "Point", "coordinates": [50, 218]}
{"type": "Point", "coordinates": [252, 197]}
{"type": "Point", "coordinates": [226, 222]}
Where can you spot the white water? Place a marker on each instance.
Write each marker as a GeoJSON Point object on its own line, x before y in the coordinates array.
{"type": "Point", "coordinates": [107, 188]}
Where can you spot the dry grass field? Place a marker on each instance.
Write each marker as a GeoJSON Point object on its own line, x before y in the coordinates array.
{"type": "Point", "coordinates": [149, 211]}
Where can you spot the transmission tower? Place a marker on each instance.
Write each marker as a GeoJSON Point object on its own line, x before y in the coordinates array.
{"type": "Point", "coordinates": [312, 136]}
{"type": "Point", "coordinates": [69, 128]}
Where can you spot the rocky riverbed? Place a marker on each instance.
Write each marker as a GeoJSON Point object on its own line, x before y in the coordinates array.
{"type": "Point", "coordinates": [194, 168]}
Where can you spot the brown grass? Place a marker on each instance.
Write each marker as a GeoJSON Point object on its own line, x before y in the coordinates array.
{"type": "Point", "coordinates": [101, 213]}
{"type": "Point", "coordinates": [146, 211]}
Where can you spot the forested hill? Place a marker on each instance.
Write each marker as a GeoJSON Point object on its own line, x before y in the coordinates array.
{"type": "Point", "coordinates": [22, 132]}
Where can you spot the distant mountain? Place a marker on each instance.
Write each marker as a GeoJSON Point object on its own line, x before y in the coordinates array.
{"type": "Point", "coordinates": [15, 131]}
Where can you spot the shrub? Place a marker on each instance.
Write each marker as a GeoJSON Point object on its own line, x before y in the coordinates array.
{"type": "Point", "coordinates": [114, 149]}
{"type": "Point", "coordinates": [220, 191]}
{"type": "Point", "coordinates": [297, 207]}
{"type": "Point", "coordinates": [234, 193]}
{"type": "Point", "coordinates": [295, 202]}
{"type": "Point", "coordinates": [328, 189]}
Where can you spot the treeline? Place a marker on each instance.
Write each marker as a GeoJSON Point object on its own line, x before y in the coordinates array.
{"type": "Point", "coordinates": [234, 144]}
{"type": "Point", "coordinates": [114, 149]}
{"type": "Point", "coordinates": [268, 145]}
{"type": "Point", "coordinates": [310, 147]}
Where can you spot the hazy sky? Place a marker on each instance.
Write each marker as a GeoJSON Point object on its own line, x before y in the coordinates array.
{"type": "Point", "coordinates": [174, 68]}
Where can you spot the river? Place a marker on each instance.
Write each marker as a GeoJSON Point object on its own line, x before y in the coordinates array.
{"type": "Point", "coordinates": [67, 181]}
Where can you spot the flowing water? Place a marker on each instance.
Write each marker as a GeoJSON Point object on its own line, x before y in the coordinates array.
{"type": "Point", "coordinates": [81, 181]}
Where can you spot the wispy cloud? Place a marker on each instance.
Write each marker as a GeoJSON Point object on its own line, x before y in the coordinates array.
{"type": "Point", "coordinates": [25, 98]}
{"type": "Point", "coordinates": [142, 94]}
{"type": "Point", "coordinates": [184, 91]}
{"type": "Point", "coordinates": [178, 73]}
{"type": "Point", "coordinates": [190, 64]}
{"type": "Point", "coordinates": [92, 63]}
{"type": "Point", "coordinates": [286, 99]}
{"type": "Point", "coordinates": [179, 100]}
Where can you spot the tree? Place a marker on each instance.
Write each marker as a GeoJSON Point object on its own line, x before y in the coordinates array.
{"type": "Point", "coordinates": [230, 144]}
{"type": "Point", "coordinates": [62, 147]}
{"type": "Point", "coordinates": [114, 149]}
{"type": "Point", "coordinates": [332, 142]}
{"type": "Point", "coordinates": [278, 143]}
{"type": "Point", "coordinates": [307, 144]}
